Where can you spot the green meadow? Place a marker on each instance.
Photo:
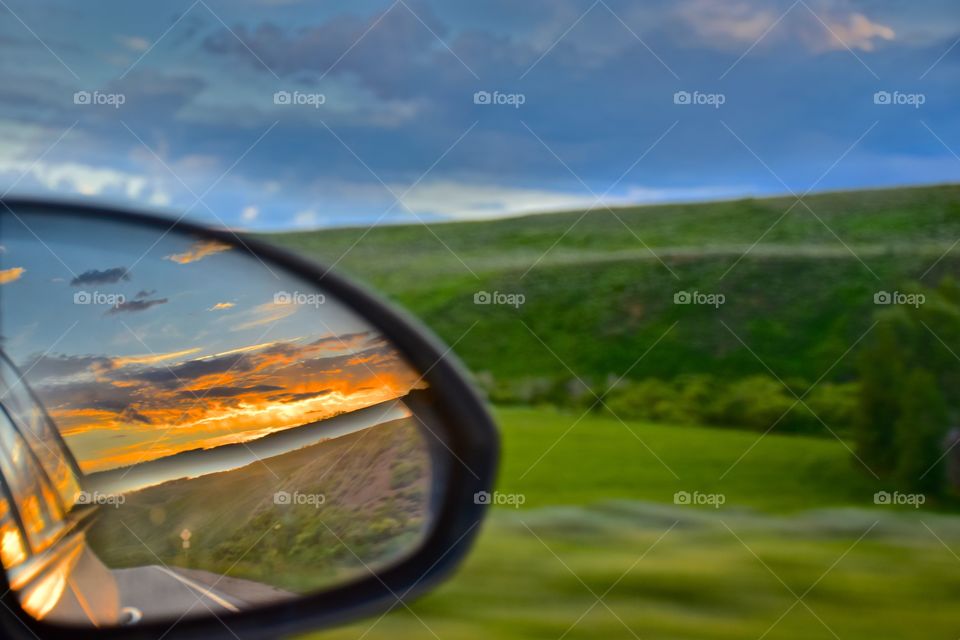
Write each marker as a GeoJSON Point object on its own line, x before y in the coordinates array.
{"type": "Point", "coordinates": [600, 458]}
{"type": "Point", "coordinates": [599, 520]}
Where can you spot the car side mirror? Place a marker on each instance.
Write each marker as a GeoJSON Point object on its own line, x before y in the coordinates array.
{"type": "Point", "coordinates": [204, 436]}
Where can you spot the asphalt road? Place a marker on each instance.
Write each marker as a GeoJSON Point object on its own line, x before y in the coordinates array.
{"type": "Point", "coordinates": [168, 593]}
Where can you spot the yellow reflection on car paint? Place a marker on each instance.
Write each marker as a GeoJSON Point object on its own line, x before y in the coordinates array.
{"type": "Point", "coordinates": [11, 547]}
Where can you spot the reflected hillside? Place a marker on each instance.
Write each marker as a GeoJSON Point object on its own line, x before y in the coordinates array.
{"type": "Point", "coordinates": [298, 521]}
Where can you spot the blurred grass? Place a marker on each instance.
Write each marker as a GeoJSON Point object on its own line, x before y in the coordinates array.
{"type": "Point", "coordinates": [538, 574]}
{"type": "Point", "coordinates": [602, 458]}
{"type": "Point", "coordinates": [702, 579]}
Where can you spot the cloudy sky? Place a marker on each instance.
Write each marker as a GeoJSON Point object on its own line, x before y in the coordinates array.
{"type": "Point", "coordinates": [272, 114]}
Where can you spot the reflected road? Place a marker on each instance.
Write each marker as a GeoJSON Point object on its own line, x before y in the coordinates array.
{"type": "Point", "coordinates": [160, 592]}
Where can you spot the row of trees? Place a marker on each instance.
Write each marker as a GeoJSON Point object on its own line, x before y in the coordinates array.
{"type": "Point", "coordinates": [752, 402]}
{"type": "Point", "coordinates": [909, 372]}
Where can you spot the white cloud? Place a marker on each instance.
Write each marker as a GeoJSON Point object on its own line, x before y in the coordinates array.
{"type": "Point", "coordinates": [465, 201]}
{"type": "Point", "coordinates": [249, 214]}
{"type": "Point", "coordinates": [160, 199]}
{"type": "Point", "coordinates": [855, 31]}
{"type": "Point", "coordinates": [746, 23]}
{"type": "Point", "coordinates": [87, 180]}
{"type": "Point", "coordinates": [739, 22]}
{"type": "Point", "coordinates": [134, 43]}
{"type": "Point", "coordinates": [305, 218]}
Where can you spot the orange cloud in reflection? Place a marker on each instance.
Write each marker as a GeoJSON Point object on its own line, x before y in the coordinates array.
{"type": "Point", "coordinates": [9, 275]}
{"type": "Point", "coordinates": [221, 305]}
{"type": "Point", "coordinates": [198, 251]}
{"type": "Point", "coordinates": [153, 358]}
{"type": "Point", "coordinates": [246, 349]}
{"type": "Point", "coordinates": [146, 410]}
{"type": "Point", "coordinates": [266, 313]}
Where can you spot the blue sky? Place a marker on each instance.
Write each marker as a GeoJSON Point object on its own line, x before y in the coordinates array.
{"type": "Point", "coordinates": [583, 104]}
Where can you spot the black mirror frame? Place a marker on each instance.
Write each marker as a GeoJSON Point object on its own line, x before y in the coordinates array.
{"type": "Point", "coordinates": [469, 434]}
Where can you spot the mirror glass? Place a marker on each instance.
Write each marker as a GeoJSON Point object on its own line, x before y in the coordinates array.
{"type": "Point", "coordinates": [189, 430]}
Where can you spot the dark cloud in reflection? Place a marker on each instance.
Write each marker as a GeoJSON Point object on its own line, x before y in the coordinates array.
{"type": "Point", "coordinates": [91, 395]}
{"type": "Point", "coordinates": [107, 276]}
{"type": "Point", "coordinates": [176, 376]}
{"type": "Point", "coordinates": [346, 341]}
{"type": "Point", "coordinates": [46, 366]}
{"type": "Point", "coordinates": [130, 414]}
{"type": "Point", "coordinates": [132, 306]}
{"type": "Point", "coordinates": [228, 392]}
{"type": "Point", "coordinates": [294, 397]}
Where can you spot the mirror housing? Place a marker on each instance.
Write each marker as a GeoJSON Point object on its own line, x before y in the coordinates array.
{"type": "Point", "coordinates": [462, 428]}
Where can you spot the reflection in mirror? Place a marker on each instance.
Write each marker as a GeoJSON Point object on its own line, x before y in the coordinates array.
{"type": "Point", "coordinates": [187, 430]}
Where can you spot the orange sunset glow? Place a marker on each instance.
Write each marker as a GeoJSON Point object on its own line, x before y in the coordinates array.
{"type": "Point", "coordinates": [125, 411]}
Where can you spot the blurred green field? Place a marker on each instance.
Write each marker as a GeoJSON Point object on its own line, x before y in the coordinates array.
{"type": "Point", "coordinates": [799, 517]}
{"type": "Point", "coordinates": [602, 458]}
{"type": "Point", "coordinates": [538, 575]}
{"type": "Point", "coordinates": [796, 512]}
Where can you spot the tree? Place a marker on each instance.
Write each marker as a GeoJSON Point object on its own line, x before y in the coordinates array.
{"type": "Point", "coordinates": [909, 374]}
{"type": "Point", "coordinates": [881, 373]}
{"type": "Point", "coordinates": [919, 434]}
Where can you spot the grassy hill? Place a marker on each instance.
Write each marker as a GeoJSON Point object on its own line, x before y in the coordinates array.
{"type": "Point", "coordinates": [598, 297]}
